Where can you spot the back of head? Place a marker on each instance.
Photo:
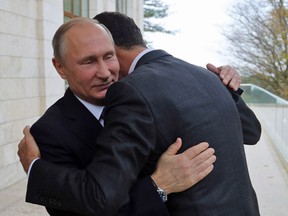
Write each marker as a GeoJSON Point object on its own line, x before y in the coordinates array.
{"type": "Point", "coordinates": [125, 32]}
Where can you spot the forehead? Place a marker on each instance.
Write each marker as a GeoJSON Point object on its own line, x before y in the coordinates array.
{"type": "Point", "coordinates": [84, 35]}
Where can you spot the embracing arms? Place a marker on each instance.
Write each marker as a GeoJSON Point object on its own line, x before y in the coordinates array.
{"type": "Point", "coordinates": [53, 192]}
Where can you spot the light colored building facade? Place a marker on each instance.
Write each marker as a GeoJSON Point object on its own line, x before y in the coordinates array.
{"type": "Point", "coordinates": [28, 82]}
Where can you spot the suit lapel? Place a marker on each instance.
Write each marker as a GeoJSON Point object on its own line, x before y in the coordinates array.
{"type": "Point", "coordinates": [80, 120]}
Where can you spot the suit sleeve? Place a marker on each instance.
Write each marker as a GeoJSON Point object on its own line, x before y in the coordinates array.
{"type": "Point", "coordinates": [144, 200]}
{"type": "Point", "coordinates": [49, 142]}
{"type": "Point", "coordinates": [122, 150]}
{"type": "Point", "coordinates": [251, 126]}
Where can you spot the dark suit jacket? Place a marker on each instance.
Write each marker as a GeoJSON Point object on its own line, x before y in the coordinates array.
{"type": "Point", "coordinates": [66, 135]}
{"type": "Point", "coordinates": [164, 98]}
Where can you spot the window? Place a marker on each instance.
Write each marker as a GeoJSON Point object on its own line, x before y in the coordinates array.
{"type": "Point", "coordinates": [121, 6]}
{"type": "Point", "coordinates": [75, 8]}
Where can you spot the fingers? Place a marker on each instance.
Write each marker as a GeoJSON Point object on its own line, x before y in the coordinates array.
{"type": "Point", "coordinates": [212, 68]}
{"type": "Point", "coordinates": [28, 136]}
{"type": "Point", "coordinates": [26, 130]}
{"type": "Point", "coordinates": [227, 74]}
{"type": "Point", "coordinates": [20, 153]}
{"type": "Point", "coordinates": [205, 172]}
{"type": "Point", "coordinates": [235, 82]}
{"type": "Point", "coordinates": [21, 143]}
{"type": "Point", "coordinates": [230, 77]}
{"type": "Point", "coordinates": [178, 172]}
{"type": "Point", "coordinates": [27, 149]}
{"type": "Point", "coordinates": [204, 159]}
{"type": "Point", "coordinates": [205, 167]}
{"type": "Point", "coordinates": [195, 150]}
{"type": "Point", "coordinates": [205, 162]}
{"type": "Point", "coordinates": [201, 167]}
{"type": "Point", "coordinates": [174, 147]}
{"type": "Point", "coordinates": [201, 159]}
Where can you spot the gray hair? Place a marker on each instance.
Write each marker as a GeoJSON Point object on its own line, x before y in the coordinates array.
{"type": "Point", "coordinates": [58, 42]}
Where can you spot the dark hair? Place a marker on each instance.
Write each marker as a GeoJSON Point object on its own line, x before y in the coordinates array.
{"type": "Point", "coordinates": [123, 29]}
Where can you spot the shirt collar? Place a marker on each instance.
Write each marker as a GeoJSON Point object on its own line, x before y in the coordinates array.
{"type": "Point", "coordinates": [94, 109]}
{"type": "Point", "coordinates": [132, 66]}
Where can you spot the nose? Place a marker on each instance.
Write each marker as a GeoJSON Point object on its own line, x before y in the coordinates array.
{"type": "Point", "coordinates": [103, 71]}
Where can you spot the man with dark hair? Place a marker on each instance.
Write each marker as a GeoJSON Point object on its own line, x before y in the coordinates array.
{"type": "Point", "coordinates": [162, 99]}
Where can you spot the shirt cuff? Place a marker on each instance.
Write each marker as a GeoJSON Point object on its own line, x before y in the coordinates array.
{"type": "Point", "coordinates": [30, 167]}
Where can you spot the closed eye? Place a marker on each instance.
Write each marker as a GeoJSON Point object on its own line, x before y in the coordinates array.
{"type": "Point", "coordinates": [88, 60]}
{"type": "Point", "coordinates": [109, 55]}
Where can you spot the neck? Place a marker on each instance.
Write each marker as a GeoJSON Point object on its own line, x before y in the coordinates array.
{"type": "Point", "coordinates": [129, 54]}
{"type": "Point", "coordinates": [126, 56]}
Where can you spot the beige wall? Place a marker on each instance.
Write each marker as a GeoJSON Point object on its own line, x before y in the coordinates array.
{"type": "Point", "coordinates": [28, 82]}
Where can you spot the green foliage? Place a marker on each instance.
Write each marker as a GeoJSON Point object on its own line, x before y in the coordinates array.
{"type": "Point", "coordinates": [155, 10]}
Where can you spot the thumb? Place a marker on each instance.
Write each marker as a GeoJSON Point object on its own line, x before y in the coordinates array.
{"type": "Point", "coordinates": [173, 148]}
{"type": "Point", "coordinates": [212, 68]}
{"type": "Point", "coordinates": [26, 130]}
{"type": "Point", "coordinates": [29, 139]}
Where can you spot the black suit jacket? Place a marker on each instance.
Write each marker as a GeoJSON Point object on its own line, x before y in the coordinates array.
{"type": "Point", "coordinates": [66, 135]}
{"type": "Point", "coordinates": [164, 98]}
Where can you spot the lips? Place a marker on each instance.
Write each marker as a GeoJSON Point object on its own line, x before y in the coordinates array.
{"type": "Point", "coordinates": [103, 86]}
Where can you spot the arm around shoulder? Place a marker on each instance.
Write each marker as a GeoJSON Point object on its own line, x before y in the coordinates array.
{"type": "Point", "coordinates": [251, 126]}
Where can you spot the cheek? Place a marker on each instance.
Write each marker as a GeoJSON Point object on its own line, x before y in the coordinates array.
{"type": "Point", "coordinates": [81, 84]}
{"type": "Point", "coordinates": [122, 74]}
{"type": "Point", "coordinates": [114, 66]}
{"type": "Point", "coordinates": [116, 76]}
{"type": "Point", "coordinates": [85, 76]}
